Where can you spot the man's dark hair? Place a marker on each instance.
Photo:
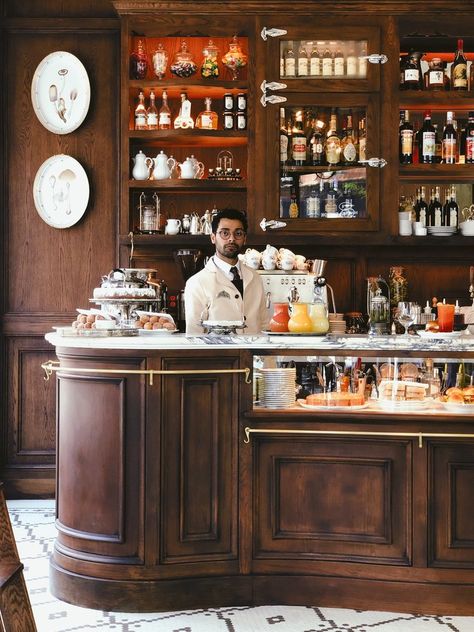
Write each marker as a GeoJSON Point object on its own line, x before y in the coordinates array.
{"type": "Point", "coordinates": [229, 213]}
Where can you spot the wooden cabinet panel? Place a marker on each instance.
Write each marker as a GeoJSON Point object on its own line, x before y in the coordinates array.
{"type": "Point", "coordinates": [199, 450]}
{"type": "Point", "coordinates": [332, 500]}
{"type": "Point", "coordinates": [102, 508]}
{"type": "Point", "coordinates": [451, 529]}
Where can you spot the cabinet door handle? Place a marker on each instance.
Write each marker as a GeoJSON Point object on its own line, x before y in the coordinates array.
{"type": "Point", "coordinates": [264, 33]}
{"type": "Point", "coordinates": [271, 98]}
{"type": "Point", "coordinates": [374, 58]}
{"type": "Point", "coordinates": [271, 85]}
{"type": "Point", "coordinates": [271, 224]}
{"type": "Point", "coordinates": [374, 162]}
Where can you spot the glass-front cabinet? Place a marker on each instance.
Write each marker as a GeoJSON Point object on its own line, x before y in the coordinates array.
{"type": "Point", "coordinates": [322, 109]}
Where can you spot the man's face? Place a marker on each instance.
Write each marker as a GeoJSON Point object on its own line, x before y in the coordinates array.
{"type": "Point", "coordinates": [229, 239]}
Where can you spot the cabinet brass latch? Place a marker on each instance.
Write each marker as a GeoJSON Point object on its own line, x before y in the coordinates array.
{"type": "Point", "coordinates": [264, 33]}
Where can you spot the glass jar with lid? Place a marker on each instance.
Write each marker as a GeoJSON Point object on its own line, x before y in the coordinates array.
{"type": "Point", "coordinates": [234, 59]}
{"type": "Point", "coordinates": [183, 63]}
{"type": "Point", "coordinates": [160, 61]}
{"type": "Point", "coordinates": [210, 66]}
{"type": "Point", "coordinates": [398, 285]}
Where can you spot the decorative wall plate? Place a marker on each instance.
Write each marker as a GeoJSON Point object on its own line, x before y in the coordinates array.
{"type": "Point", "coordinates": [61, 191]}
{"type": "Point", "coordinates": [60, 92]}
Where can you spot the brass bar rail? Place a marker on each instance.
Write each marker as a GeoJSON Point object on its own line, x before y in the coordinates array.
{"type": "Point", "coordinates": [357, 433]}
{"type": "Point", "coordinates": [52, 365]}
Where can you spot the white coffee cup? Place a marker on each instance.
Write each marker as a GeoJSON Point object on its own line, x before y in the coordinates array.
{"type": "Point", "coordinates": [286, 263]}
{"type": "Point", "coordinates": [420, 229]}
{"type": "Point", "coordinates": [268, 262]}
{"type": "Point", "coordinates": [405, 227]}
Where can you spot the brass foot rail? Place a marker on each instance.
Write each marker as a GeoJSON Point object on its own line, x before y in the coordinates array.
{"type": "Point", "coordinates": [357, 433]}
{"type": "Point", "coordinates": [52, 365]}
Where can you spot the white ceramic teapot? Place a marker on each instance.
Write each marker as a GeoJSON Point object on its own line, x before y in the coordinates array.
{"type": "Point", "coordinates": [141, 166]}
{"type": "Point", "coordinates": [252, 258]}
{"type": "Point", "coordinates": [189, 169]}
{"type": "Point", "coordinates": [163, 166]}
{"type": "Point", "coordinates": [173, 226]}
{"type": "Point", "coordinates": [199, 167]}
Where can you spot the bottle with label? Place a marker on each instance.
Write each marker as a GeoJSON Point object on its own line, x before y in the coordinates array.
{"type": "Point", "coordinates": [140, 113]}
{"type": "Point", "coordinates": [449, 146]}
{"type": "Point", "coordinates": [351, 61]}
{"type": "Point", "coordinates": [293, 210]}
{"type": "Point", "coordinates": [434, 76]}
{"type": "Point", "coordinates": [412, 72]}
{"type": "Point", "coordinates": [328, 63]}
{"type": "Point", "coordinates": [316, 143]}
{"type": "Point", "coordinates": [207, 119]}
{"type": "Point", "coordinates": [405, 138]}
{"type": "Point", "coordinates": [228, 117]}
{"type": "Point", "coordinates": [348, 143]}
{"type": "Point", "coordinates": [298, 142]}
{"type": "Point", "coordinates": [459, 69]}
{"type": "Point", "coordinates": [438, 145]}
{"type": "Point", "coordinates": [152, 113]}
{"type": "Point", "coordinates": [283, 139]}
{"type": "Point", "coordinates": [303, 61]}
{"type": "Point", "coordinates": [164, 115]}
{"type": "Point", "coordinates": [241, 102]}
{"type": "Point", "coordinates": [333, 142]}
{"type": "Point", "coordinates": [427, 140]}
{"type": "Point", "coordinates": [423, 208]}
{"type": "Point", "coordinates": [339, 62]}
{"type": "Point", "coordinates": [362, 140]}
{"type": "Point", "coordinates": [470, 138]}
{"type": "Point", "coordinates": [452, 213]}
{"type": "Point", "coordinates": [184, 119]}
{"type": "Point", "coordinates": [315, 62]}
{"type": "Point", "coordinates": [435, 210]}
{"type": "Point", "coordinates": [228, 101]}
{"type": "Point", "coordinates": [290, 61]}
{"type": "Point", "coordinates": [139, 61]}
{"type": "Point", "coordinates": [241, 120]}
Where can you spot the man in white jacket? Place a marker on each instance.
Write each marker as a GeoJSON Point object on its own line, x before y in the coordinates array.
{"type": "Point", "coordinates": [226, 289]}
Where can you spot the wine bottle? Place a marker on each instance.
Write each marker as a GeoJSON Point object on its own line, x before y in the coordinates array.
{"type": "Point", "coordinates": [452, 216]}
{"type": "Point", "coordinates": [303, 61]}
{"type": "Point", "coordinates": [435, 210]}
{"type": "Point", "coordinates": [315, 62]}
{"type": "Point", "coordinates": [348, 145]}
{"type": "Point", "coordinates": [299, 142]}
{"type": "Point", "coordinates": [333, 142]}
{"type": "Point", "coordinates": [328, 63]}
{"type": "Point", "coordinates": [412, 74]}
{"type": "Point", "coordinates": [316, 143]}
{"type": "Point", "coordinates": [459, 69]}
{"type": "Point", "coordinates": [140, 113]}
{"type": "Point", "coordinates": [152, 113]}
{"type": "Point", "coordinates": [362, 140]}
{"type": "Point", "coordinates": [449, 146]}
{"type": "Point", "coordinates": [423, 208]}
{"type": "Point", "coordinates": [164, 115]}
{"type": "Point", "coordinates": [283, 139]}
{"type": "Point", "coordinates": [427, 140]}
{"type": "Point", "coordinates": [290, 61]}
{"type": "Point", "coordinates": [470, 138]}
{"type": "Point", "coordinates": [405, 139]}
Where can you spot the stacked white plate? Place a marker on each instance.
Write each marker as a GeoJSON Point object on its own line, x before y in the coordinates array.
{"type": "Point", "coordinates": [441, 231]}
{"type": "Point", "coordinates": [337, 324]}
{"type": "Point", "coordinates": [278, 387]}
{"type": "Point", "coordinates": [467, 228]}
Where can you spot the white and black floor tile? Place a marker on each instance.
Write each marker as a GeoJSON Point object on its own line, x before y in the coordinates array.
{"type": "Point", "coordinates": [33, 525]}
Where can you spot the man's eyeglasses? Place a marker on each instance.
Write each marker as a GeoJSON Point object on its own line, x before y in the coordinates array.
{"type": "Point", "coordinates": [225, 233]}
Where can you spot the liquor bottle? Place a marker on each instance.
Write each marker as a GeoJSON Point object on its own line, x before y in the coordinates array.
{"type": "Point", "coordinates": [339, 62]}
{"type": "Point", "coordinates": [470, 138]}
{"type": "Point", "coordinates": [461, 133]}
{"type": "Point", "coordinates": [416, 205]}
{"type": "Point", "coordinates": [459, 69]}
{"type": "Point", "coordinates": [445, 213]}
{"type": "Point", "coordinates": [290, 61]}
{"type": "Point", "coordinates": [184, 119]}
{"type": "Point", "coordinates": [228, 101]}
{"type": "Point", "coordinates": [328, 63]}
{"type": "Point", "coordinates": [316, 143]}
{"type": "Point", "coordinates": [152, 113]}
{"type": "Point", "coordinates": [241, 102]}
{"type": "Point", "coordinates": [362, 140]}
{"type": "Point", "coordinates": [302, 65]}
{"type": "Point", "coordinates": [423, 208]}
{"type": "Point", "coordinates": [139, 61]}
{"type": "Point", "coordinates": [449, 146]}
{"type": "Point", "coordinates": [452, 215]}
{"type": "Point", "coordinates": [164, 115]}
{"type": "Point", "coordinates": [207, 119]}
{"type": "Point", "coordinates": [427, 140]}
{"type": "Point", "coordinates": [405, 139]}
{"type": "Point", "coordinates": [438, 146]}
{"type": "Point", "coordinates": [283, 139]}
{"type": "Point", "coordinates": [348, 144]}
{"type": "Point", "coordinates": [351, 61]}
{"type": "Point", "coordinates": [228, 118]}
{"type": "Point", "coordinates": [412, 74]}
{"type": "Point", "coordinates": [298, 142]}
{"type": "Point", "coordinates": [140, 113]}
{"type": "Point", "coordinates": [241, 120]}
{"type": "Point", "coordinates": [330, 203]}
{"type": "Point", "coordinates": [315, 62]}
{"type": "Point", "coordinates": [402, 62]}
{"type": "Point", "coordinates": [434, 76]}
{"type": "Point", "coordinates": [333, 142]}
{"type": "Point", "coordinates": [293, 210]}
{"type": "Point", "coordinates": [435, 210]}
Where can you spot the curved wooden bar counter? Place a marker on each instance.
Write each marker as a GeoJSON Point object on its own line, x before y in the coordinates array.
{"type": "Point", "coordinates": [174, 492]}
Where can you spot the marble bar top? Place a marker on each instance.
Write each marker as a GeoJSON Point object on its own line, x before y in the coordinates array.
{"type": "Point", "coordinates": [438, 342]}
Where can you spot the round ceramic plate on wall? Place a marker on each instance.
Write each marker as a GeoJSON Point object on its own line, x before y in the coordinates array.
{"type": "Point", "coordinates": [60, 92]}
{"type": "Point", "coordinates": [61, 191]}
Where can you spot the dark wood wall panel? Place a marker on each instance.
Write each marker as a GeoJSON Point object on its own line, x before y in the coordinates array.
{"type": "Point", "coordinates": [49, 269]}
{"type": "Point", "coordinates": [56, 8]}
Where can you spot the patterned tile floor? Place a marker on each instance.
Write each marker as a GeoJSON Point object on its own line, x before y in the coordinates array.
{"type": "Point", "coordinates": [33, 525]}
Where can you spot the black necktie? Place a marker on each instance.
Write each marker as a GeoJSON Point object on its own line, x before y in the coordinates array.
{"type": "Point", "coordinates": [237, 281]}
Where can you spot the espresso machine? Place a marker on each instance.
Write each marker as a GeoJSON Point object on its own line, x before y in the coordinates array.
{"type": "Point", "coordinates": [306, 286]}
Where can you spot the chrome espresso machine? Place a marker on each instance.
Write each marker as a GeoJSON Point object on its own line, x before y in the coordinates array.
{"type": "Point", "coordinates": [297, 286]}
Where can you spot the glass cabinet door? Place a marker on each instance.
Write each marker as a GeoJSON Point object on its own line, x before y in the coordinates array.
{"type": "Point", "coordinates": [322, 111]}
